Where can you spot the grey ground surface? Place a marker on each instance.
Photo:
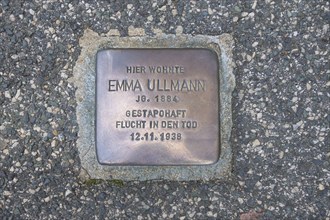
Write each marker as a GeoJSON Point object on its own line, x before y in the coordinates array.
{"type": "Point", "coordinates": [280, 133]}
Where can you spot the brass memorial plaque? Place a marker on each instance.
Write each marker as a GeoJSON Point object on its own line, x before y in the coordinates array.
{"type": "Point", "coordinates": [157, 107]}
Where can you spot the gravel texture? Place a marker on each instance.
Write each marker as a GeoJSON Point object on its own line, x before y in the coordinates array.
{"type": "Point", "coordinates": [280, 135]}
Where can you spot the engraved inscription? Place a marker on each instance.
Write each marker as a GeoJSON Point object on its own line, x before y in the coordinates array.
{"type": "Point", "coordinates": [157, 85]}
{"type": "Point", "coordinates": [157, 107]}
{"type": "Point", "coordinates": [155, 69]}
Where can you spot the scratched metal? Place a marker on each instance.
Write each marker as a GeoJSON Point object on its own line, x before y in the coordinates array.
{"type": "Point", "coordinates": [118, 145]}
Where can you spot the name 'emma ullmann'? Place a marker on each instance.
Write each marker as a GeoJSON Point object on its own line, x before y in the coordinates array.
{"type": "Point", "coordinates": [194, 85]}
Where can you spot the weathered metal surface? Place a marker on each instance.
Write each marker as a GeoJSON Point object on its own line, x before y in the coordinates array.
{"type": "Point", "coordinates": [157, 107]}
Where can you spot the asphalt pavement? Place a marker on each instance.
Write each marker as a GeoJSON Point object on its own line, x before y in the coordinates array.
{"type": "Point", "coordinates": [280, 134]}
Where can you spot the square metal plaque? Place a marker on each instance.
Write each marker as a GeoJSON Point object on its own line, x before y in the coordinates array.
{"type": "Point", "coordinates": [157, 107]}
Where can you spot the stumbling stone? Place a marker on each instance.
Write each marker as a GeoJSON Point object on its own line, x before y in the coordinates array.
{"type": "Point", "coordinates": [154, 108]}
